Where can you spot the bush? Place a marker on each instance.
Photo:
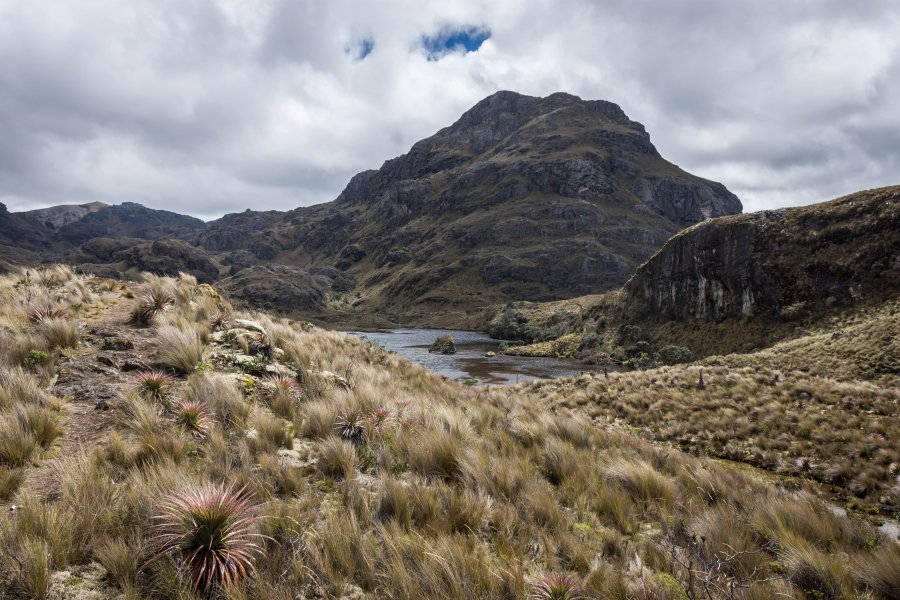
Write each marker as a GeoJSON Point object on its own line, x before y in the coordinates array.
{"type": "Point", "coordinates": [590, 341]}
{"type": "Point", "coordinates": [673, 355]}
{"type": "Point", "coordinates": [637, 349]}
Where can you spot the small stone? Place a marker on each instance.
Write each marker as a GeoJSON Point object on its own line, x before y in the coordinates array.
{"type": "Point", "coordinates": [134, 365]}
{"type": "Point", "coordinates": [117, 344]}
{"type": "Point", "coordinates": [249, 325]}
{"type": "Point", "coordinates": [290, 458]}
{"type": "Point", "coordinates": [490, 354]}
{"type": "Point", "coordinates": [335, 380]}
{"type": "Point", "coordinates": [276, 369]}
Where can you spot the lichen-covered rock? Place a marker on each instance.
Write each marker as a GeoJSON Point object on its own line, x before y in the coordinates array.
{"type": "Point", "coordinates": [443, 345]}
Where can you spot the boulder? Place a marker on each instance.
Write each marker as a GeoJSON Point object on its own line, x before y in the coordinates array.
{"type": "Point", "coordinates": [443, 345]}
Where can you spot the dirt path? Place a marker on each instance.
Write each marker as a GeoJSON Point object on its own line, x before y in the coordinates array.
{"type": "Point", "coordinates": [90, 380]}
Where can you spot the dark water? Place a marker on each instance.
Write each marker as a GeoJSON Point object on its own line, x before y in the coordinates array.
{"type": "Point", "coordinates": [470, 361]}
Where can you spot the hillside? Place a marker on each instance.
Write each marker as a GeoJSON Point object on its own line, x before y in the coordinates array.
{"type": "Point", "coordinates": [741, 283]}
{"type": "Point", "coordinates": [139, 419]}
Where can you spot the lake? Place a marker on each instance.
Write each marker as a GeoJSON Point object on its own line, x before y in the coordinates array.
{"type": "Point", "coordinates": [470, 361]}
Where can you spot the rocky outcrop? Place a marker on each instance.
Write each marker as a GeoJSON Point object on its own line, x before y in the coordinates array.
{"type": "Point", "coordinates": [115, 256]}
{"type": "Point", "coordinates": [22, 240]}
{"type": "Point", "coordinates": [777, 263]}
{"type": "Point", "coordinates": [280, 287]}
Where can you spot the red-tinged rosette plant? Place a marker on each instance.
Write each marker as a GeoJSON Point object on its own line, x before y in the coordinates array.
{"type": "Point", "coordinates": [211, 532]}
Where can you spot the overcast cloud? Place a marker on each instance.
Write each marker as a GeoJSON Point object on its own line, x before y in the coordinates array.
{"type": "Point", "coordinates": [208, 107]}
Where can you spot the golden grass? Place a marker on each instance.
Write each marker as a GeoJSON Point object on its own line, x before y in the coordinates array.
{"type": "Point", "coordinates": [843, 434]}
{"type": "Point", "coordinates": [446, 491]}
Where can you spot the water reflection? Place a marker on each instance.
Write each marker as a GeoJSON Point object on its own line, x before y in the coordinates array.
{"type": "Point", "coordinates": [470, 361]}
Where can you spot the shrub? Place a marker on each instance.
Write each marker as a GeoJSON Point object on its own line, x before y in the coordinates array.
{"type": "Point", "coordinates": [590, 341]}
{"type": "Point", "coordinates": [673, 355]}
{"type": "Point", "coordinates": [211, 531]}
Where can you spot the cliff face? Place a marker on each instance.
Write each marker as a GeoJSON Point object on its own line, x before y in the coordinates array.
{"type": "Point", "coordinates": [772, 262]}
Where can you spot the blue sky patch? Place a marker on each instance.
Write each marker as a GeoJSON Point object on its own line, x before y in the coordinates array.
{"type": "Point", "coordinates": [360, 48]}
{"type": "Point", "coordinates": [454, 39]}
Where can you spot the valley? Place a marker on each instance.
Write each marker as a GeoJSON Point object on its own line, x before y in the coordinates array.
{"type": "Point", "coordinates": [688, 401]}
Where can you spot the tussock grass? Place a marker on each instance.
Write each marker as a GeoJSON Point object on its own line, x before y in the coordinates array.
{"type": "Point", "coordinates": [836, 432]}
{"type": "Point", "coordinates": [222, 394]}
{"type": "Point", "coordinates": [337, 458]}
{"type": "Point", "coordinates": [438, 490]}
{"type": "Point", "coordinates": [121, 560]}
{"type": "Point", "coordinates": [58, 333]}
{"type": "Point", "coordinates": [178, 348]}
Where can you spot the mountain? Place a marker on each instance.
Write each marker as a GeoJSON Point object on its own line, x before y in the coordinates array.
{"type": "Point", "coordinates": [129, 219]}
{"type": "Point", "coordinates": [55, 217]}
{"type": "Point", "coordinates": [21, 239]}
{"type": "Point", "coordinates": [521, 198]}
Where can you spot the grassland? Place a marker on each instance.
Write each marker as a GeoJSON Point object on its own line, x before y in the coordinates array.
{"type": "Point", "coordinates": [137, 420]}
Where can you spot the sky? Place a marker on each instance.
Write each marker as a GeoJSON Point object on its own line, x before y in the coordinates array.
{"type": "Point", "coordinates": [208, 107]}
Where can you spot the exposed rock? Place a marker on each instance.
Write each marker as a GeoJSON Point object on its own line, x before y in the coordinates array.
{"type": "Point", "coordinates": [278, 286]}
{"type": "Point", "coordinates": [55, 217]}
{"type": "Point", "coordinates": [443, 345]}
{"type": "Point", "coordinates": [164, 257]}
{"type": "Point", "coordinates": [778, 263]}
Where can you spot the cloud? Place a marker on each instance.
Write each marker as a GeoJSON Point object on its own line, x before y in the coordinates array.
{"type": "Point", "coordinates": [209, 107]}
